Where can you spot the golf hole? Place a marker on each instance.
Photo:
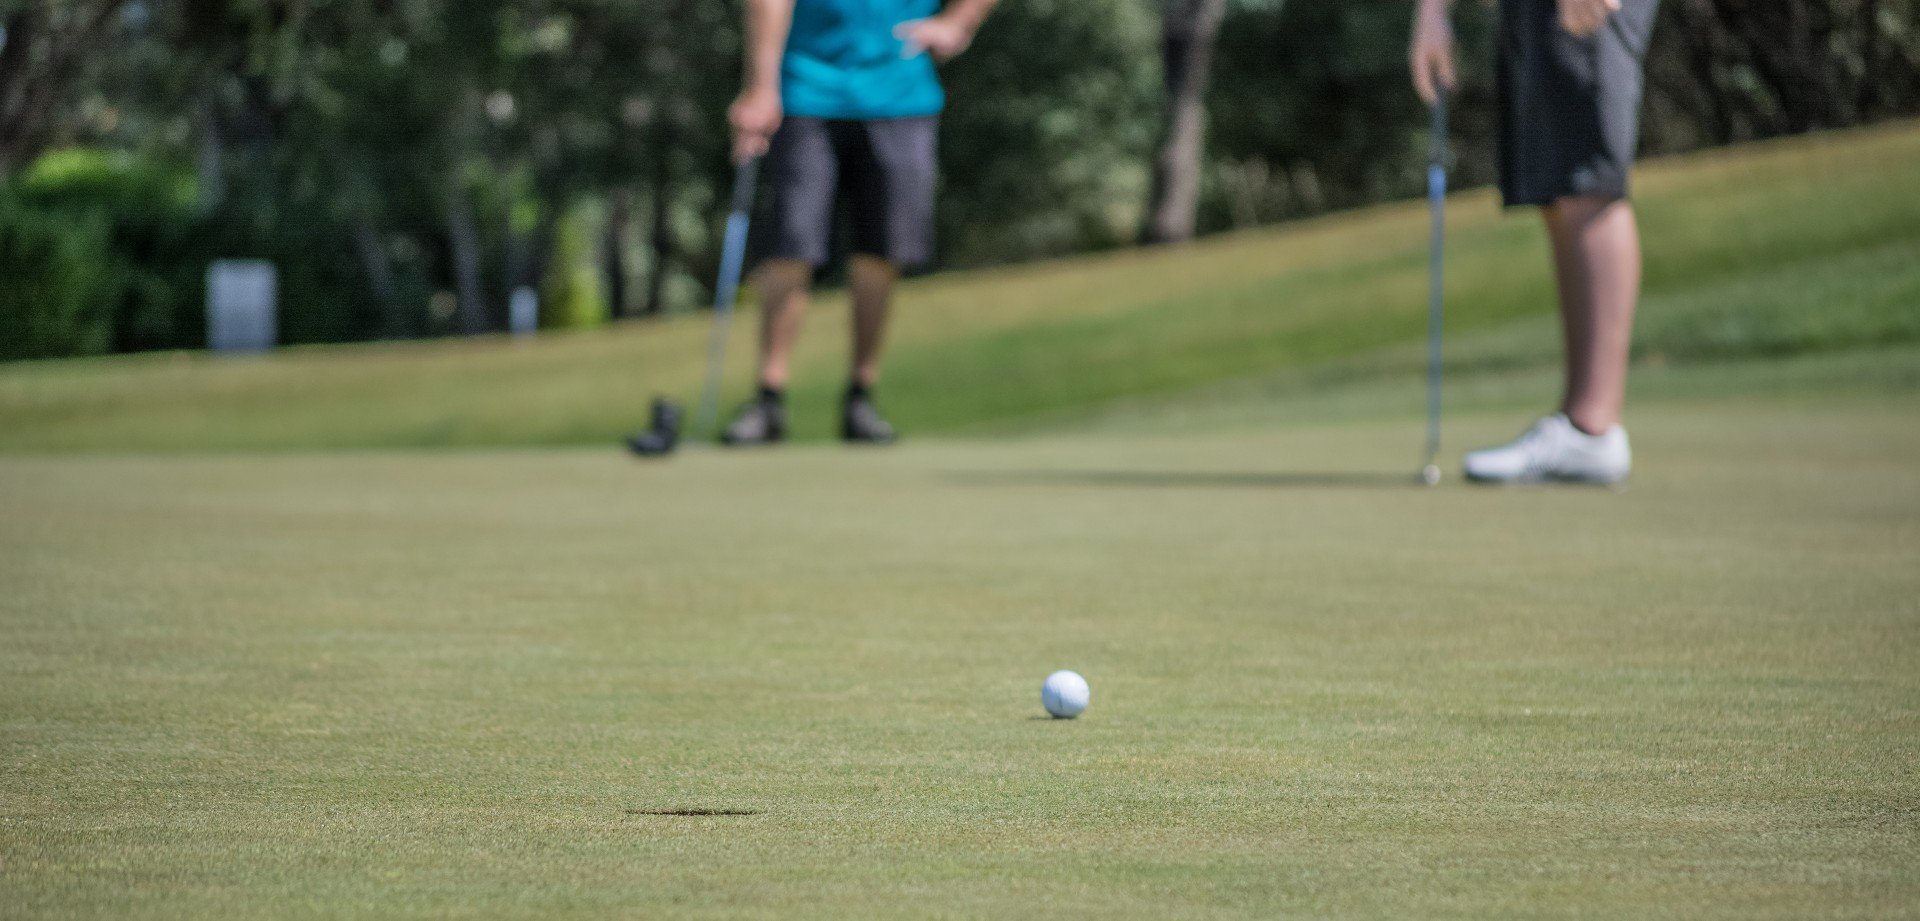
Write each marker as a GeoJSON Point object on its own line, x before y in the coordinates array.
{"type": "Point", "coordinates": [694, 813]}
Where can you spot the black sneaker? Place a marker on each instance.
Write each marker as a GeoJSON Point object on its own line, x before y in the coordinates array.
{"type": "Point", "coordinates": [760, 422]}
{"type": "Point", "coordinates": [663, 436]}
{"type": "Point", "coordinates": [861, 423]}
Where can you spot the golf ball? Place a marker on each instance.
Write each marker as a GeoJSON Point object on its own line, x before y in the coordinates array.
{"type": "Point", "coordinates": [1065, 695]}
{"type": "Point", "coordinates": [1430, 475]}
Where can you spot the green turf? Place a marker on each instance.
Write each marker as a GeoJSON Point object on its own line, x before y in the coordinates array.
{"type": "Point", "coordinates": [388, 685]}
{"type": "Point", "coordinates": [1802, 246]}
{"type": "Point", "coordinates": [402, 684]}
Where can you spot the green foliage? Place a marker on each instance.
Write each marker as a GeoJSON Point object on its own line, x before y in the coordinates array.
{"type": "Point", "coordinates": [1045, 140]}
{"type": "Point", "coordinates": [574, 296]}
{"type": "Point", "coordinates": [328, 135]}
{"type": "Point", "coordinates": [1312, 110]}
{"type": "Point", "coordinates": [135, 223]}
{"type": "Point", "coordinates": [1727, 72]}
{"type": "Point", "coordinates": [56, 300]}
{"type": "Point", "coordinates": [97, 178]}
{"type": "Point", "coordinates": [148, 243]}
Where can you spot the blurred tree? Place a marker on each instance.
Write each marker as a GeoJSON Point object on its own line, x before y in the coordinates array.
{"type": "Point", "coordinates": [1313, 110]}
{"type": "Point", "coordinates": [54, 302]}
{"type": "Point", "coordinates": [123, 251]}
{"type": "Point", "coordinates": [1727, 71]}
{"type": "Point", "coordinates": [1187, 34]}
{"type": "Point", "coordinates": [411, 162]}
{"type": "Point", "coordinates": [47, 47]}
{"type": "Point", "coordinates": [1048, 129]}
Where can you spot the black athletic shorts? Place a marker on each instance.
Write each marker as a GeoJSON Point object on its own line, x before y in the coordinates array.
{"type": "Point", "coordinates": [1569, 107]}
{"type": "Point", "coordinates": [882, 170]}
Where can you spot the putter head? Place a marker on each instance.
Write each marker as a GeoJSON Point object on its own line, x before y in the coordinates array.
{"type": "Point", "coordinates": [667, 415]}
{"type": "Point", "coordinates": [660, 439]}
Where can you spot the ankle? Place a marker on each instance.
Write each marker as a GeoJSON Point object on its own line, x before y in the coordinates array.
{"type": "Point", "coordinates": [1585, 425]}
{"type": "Point", "coordinates": [769, 394]}
{"type": "Point", "coordinates": [858, 391]}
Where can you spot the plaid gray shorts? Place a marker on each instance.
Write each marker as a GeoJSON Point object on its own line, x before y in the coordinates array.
{"type": "Point", "coordinates": [1569, 107]}
{"type": "Point", "coordinates": [882, 171]}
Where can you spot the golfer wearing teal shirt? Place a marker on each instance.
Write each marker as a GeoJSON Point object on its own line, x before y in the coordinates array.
{"type": "Point", "coordinates": [849, 60]}
{"type": "Point", "coordinates": [843, 99]}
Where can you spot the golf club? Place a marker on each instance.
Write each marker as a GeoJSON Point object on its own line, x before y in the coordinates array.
{"type": "Point", "coordinates": [664, 433]}
{"type": "Point", "coordinates": [1436, 292]}
{"type": "Point", "coordinates": [733, 257]}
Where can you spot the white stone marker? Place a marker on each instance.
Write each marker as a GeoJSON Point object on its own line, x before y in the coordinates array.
{"type": "Point", "coordinates": [243, 302]}
{"type": "Point", "coordinates": [523, 311]}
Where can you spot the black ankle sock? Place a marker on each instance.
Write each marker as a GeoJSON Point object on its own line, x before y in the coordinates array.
{"type": "Point", "coordinates": [774, 395]}
{"type": "Point", "coordinates": [858, 391]}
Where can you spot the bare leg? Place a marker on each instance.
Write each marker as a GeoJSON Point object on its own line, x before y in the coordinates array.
{"type": "Point", "coordinates": [872, 280]}
{"type": "Point", "coordinates": [1596, 253]}
{"type": "Point", "coordinates": [783, 305]}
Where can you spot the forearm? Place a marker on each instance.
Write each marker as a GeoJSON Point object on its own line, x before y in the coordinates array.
{"type": "Point", "coordinates": [969, 13]}
{"type": "Point", "coordinates": [768, 22]}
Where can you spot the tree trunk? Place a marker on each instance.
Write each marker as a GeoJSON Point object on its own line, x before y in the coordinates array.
{"type": "Point", "coordinates": [464, 237]}
{"type": "Point", "coordinates": [1872, 75]}
{"type": "Point", "coordinates": [210, 156]}
{"type": "Point", "coordinates": [378, 265]}
{"type": "Point", "coordinates": [619, 231]}
{"type": "Point", "coordinates": [660, 234]}
{"type": "Point", "coordinates": [17, 85]}
{"type": "Point", "coordinates": [39, 63]}
{"type": "Point", "coordinates": [1188, 30]}
{"type": "Point", "coordinates": [546, 229]}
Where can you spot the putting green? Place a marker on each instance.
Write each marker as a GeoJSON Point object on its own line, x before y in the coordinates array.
{"type": "Point", "coordinates": [460, 685]}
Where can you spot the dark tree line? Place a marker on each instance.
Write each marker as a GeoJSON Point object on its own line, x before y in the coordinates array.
{"type": "Point", "coordinates": [1735, 70]}
{"type": "Point", "coordinates": [410, 163]}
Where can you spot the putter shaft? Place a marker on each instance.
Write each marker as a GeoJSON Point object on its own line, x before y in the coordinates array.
{"type": "Point", "coordinates": [1436, 294]}
{"type": "Point", "coordinates": [733, 257]}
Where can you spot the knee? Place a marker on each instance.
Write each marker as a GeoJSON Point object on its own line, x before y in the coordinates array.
{"type": "Point", "coordinates": [1581, 209]}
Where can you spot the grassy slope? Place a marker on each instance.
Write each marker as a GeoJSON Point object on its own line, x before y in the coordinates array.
{"type": "Point", "coordinates": [1806, 245]}
{"type": "Point", "coordinates": [403, 685]}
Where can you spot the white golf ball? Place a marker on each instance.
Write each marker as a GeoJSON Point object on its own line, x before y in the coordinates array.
{"type": "Point", "coordinates": [1065, 695]}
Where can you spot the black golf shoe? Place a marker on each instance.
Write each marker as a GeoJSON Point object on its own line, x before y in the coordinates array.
{"type": "Point", "coordinates": [760, 422]}
{"type": "Point", "coordinates": [664, 434]}
{"type": "Point", "coordinates": [861, 422]}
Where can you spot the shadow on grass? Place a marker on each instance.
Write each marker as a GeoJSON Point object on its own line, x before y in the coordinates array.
{"type": "Point", "coordinates": [1176, 479]}
{"type": "Point", "coordinates": [695, 813]}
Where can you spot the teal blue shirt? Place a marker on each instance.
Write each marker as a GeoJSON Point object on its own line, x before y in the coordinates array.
{"type": "Point", "coordinates": [843, 61]}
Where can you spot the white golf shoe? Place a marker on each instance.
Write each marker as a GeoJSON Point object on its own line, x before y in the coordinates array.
{"type": "Point", "coordinates": [1554, 451]}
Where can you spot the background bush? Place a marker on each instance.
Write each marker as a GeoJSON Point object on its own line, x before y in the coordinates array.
{"type": "Point", "coordinates": [408, 163]}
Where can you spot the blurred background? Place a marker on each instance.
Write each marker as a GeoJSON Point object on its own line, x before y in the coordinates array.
{"type": "Point", "coordinates": [408, 164]}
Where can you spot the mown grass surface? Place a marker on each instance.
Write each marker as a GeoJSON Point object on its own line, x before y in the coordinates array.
{"type": "Point", "coordinates": [518, 683]}
{"type": "Point", "coordinates": [1786, 248]}
{"type": "Point", "coordinates": [461, 685]}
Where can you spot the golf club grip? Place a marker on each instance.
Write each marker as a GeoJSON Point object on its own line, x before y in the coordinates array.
{"type": "Point", "coordinates": [733, 249]}
{"type": "Point", "coordinates": [746, 180]}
